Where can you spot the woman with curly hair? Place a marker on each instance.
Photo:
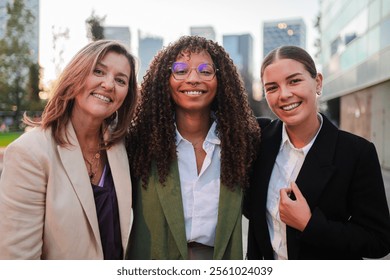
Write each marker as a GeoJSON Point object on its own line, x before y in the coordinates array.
{"type": "Point", "coordinates": [191, 145]}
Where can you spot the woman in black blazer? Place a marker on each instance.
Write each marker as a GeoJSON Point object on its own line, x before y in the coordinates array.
{"type": "Point", "coordinates": [316, 192]}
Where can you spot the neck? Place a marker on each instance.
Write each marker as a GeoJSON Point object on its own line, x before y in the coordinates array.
{"type": "Point", "coordinates": [89, 136]}
{"type": "Point", "coordinates": [193, 127]}
{"type": "Point", "coordinates": [301, 135]}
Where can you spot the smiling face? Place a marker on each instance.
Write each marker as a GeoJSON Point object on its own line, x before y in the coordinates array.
{"type": "Point", "coordinates": [193, 92]}
{"type": "Point", "coordinates": [105, 88]}
{"type": "Point", "coordinates": [291, 91]}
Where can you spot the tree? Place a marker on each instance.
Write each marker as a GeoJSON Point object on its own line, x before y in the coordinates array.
{"type": "Point", "coordinates": [95, 29]}
{"type": "Point", "coordinates": [15, 58]}
{"type": "Point", "coordinates": [33, 101]}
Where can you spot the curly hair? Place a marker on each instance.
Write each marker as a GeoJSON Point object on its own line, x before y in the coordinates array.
{"type": "Point", "coordinates": [151, 138]}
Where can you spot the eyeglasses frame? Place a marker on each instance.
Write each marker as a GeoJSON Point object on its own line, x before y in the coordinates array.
{"type": "Point", "coordinates": [197, 72]}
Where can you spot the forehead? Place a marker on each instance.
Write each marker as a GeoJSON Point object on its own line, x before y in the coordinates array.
{"type": "Point", "coordinates": [281, 68]}
{"type": "Point", "coordinates": [201, 56]}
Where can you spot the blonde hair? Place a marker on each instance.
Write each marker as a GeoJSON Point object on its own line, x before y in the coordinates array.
{"type": "Point", "coordinates": [71, 82]}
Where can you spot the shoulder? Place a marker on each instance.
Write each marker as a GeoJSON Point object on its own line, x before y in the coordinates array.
{"type": "Point", "coordinates": [31, 143]}
{"type": "Point", "coordinates": [354, 142]}
{"type": "Point", "coordinates": [263, 121]}
{"type": "Point", "coordinates": [36, 136]}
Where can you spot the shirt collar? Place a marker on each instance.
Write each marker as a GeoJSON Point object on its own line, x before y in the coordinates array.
{"type": "Point", "coordinates": [211, 137]}
{"type": "Point", "coordinates": [305, 149]}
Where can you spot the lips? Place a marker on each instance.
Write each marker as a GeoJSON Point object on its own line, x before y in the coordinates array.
{"type": "Point", "coordinates": [290, 106]}
{"type": "Point", "coordinates": [101, 97]}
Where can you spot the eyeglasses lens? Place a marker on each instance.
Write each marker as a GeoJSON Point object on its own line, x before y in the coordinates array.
{"type": "Point", "coordinates": [181, 70]}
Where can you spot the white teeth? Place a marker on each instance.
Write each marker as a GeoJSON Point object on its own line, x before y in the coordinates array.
{"type": "Point", "coordinates": [101, 97]}
{"type": "Point", "coordinates": [193, 92]}
{"type": "Point", "coordinates": [291, 106]}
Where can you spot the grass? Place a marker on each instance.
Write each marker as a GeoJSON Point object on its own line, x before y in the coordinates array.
{"type": "Point", "coordinates": [8, 137]}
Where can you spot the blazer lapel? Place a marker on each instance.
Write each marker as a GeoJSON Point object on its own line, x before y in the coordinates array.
{"type": "Point", "coordinates": [117, 158]}
{"type": "Point", "coordinates": [229, 211]}
{"type": "Point", "coordinates": [172, 205]}
{"type": "Point", "coordinates": [73, 162]}
{"type": "Point", "coordinates": [318, 168]}
{"type": "Point", "coordinates": [272, 136]}
{"type": "Point", "coordinates": [314, 175]}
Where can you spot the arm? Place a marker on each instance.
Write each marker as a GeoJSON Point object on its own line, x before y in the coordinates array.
{"type": "Point", "coordinates": [365, 232]}
{"type": "Point", "coordinates": [22, 203]}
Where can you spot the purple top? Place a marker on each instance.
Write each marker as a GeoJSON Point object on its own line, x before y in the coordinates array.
{"type": "Point", "coordinates": [108, 216]}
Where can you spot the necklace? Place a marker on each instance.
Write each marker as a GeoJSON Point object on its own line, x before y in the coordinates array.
{"type": "Point", "coordinates": [93, 165]}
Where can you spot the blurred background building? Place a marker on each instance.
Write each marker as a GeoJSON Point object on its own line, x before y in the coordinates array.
{"type": "Point", "coordinates": [33, 37]}
{"type": "Point", "coordinates": [119, 33]}
{"type": "Point", "coordinates": [148, 46]}
{"type": "Point", "coordinates": [19, 75]}
{"type": "Point", "coordinates": [207, 32]}
{"type": "Point", "coordinates": [240, 49]}
{"type": "Point", "coordinates": [283, 32]}
{"type": "Point", "coordinates": [355, 56]}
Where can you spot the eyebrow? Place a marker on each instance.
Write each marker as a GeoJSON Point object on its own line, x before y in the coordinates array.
{"type": "Point", "coordinates": [287, 78]}
{"type": "Point", "coordinates": [105, 66]}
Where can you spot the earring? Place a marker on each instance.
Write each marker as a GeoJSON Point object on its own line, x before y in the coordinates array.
{"type": "Point", "coordinates": [114, 119]}
{"type": "Point", "coordinates": [319, 93]}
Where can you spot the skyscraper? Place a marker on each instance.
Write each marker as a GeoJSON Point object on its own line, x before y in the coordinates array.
{"type": "Point", "coordinates": [119, 33]}
{"type": "Point", "coordinates": [207, 32]}
{"type": "Point", "coordinates": [283, 32]}
{"type": "Point", "coordinates": [240, 49]}
{"type": "Point", "coordinates": [148, 46]}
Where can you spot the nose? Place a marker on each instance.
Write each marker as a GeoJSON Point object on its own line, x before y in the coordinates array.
{"type": "Point", "coordinates": [285, 92]}
{"type": "Point", "coordinates": [193, 76]}
{"type": "Point", "coordinates": [108, 83]}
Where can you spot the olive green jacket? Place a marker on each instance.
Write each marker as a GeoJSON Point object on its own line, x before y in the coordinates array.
{"type": "Point", "coordinates": [158, 230]}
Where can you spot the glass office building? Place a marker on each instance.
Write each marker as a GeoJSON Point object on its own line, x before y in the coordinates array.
{"type": "Point", "coordinates": [355, 56]}
{"type": "Point", "coordinates": [148, 47]}
{"type": "Point", "coordinates": [207, 32]}
{"type": "Point", "coordinates": [283, 32]}
{"type": "Point", "coordinates": [240, 49]}
{"type": "Point", "coordinates": [119, 33]}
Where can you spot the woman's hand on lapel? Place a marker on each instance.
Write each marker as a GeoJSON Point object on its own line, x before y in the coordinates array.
{"type": "Point", "coordinates": [293, 208]}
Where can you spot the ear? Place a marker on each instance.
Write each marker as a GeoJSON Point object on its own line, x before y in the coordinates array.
{"type": "Point", "coordinates": [319, 79]}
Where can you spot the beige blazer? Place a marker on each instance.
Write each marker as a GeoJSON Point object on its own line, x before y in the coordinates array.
{"type": "Point", "coordinates": [47, 205]}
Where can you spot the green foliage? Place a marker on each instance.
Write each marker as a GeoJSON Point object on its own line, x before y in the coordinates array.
{"type": "Point", "coordinates": [33, 88]}
{"type": "Point", "coordinates": [16, 60]}
{"type": "Point", "coordinates": [95, 29]}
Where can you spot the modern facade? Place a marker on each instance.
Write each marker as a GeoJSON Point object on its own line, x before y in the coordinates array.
{"type": "Point", "coordinates": [207, 32]}
{"type": "Point", "coordinates": [355, 56]}
{"type": "Point", "coordinates": [119, 33]}
{"type": "Point", "coordinates": [283, 32]}
{"type": "Point", "coordinates": [148, 47]}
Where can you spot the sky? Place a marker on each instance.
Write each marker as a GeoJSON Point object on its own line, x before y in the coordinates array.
{"type": "Point", "coordinates": [169, 19]}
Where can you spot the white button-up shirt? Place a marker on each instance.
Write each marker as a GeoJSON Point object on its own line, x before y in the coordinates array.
{"type": "Point", "coordinates": [200, 193]}
{"type": "Point", "coordinates": [287, 165]}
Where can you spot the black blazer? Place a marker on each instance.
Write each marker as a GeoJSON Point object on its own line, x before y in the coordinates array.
{"type": "Point", "coordinates": [342, 182]}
